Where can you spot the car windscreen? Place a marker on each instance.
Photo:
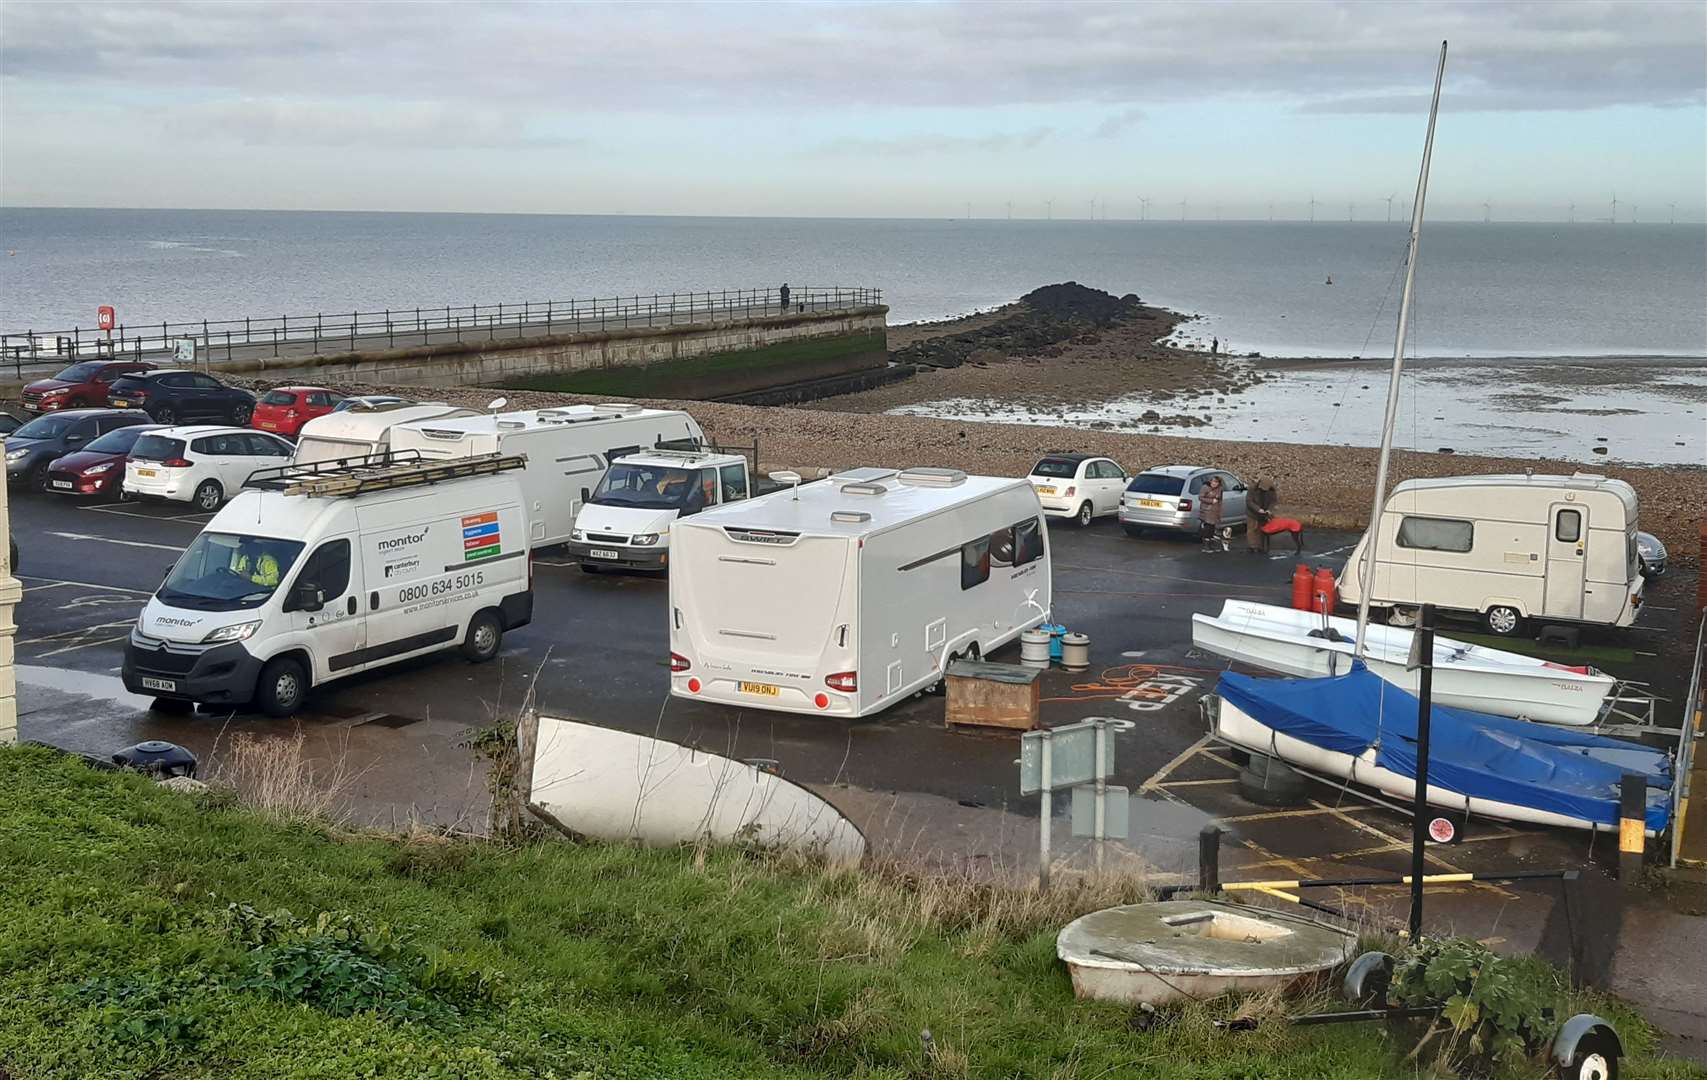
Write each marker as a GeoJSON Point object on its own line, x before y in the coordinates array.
{"type": "Point", "coordinates": [647, 487]}
{"type": "Point", "coordinates": [1155, 484]}
{"type": "Point", "coordinates": [80, 372]}
{"type": "Point", "coordinates": [156, 448]}
{"type": "Point", "coordinates": [225, 572]}
{"type": "Point", "coordinates": [1054, 466]}
{"type": "Point", "coordinates": [45, 427]}
{"type": "Point", "coordinates": [278, 397]}
{"type": "Point", "coordinates": [117, 441]}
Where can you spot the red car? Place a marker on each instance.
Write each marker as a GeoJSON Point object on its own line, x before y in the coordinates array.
{"type": "Point", "coordinates": [97, 469]}
{"type": "Point", "coordinates": [285, 409]}
{"type": "Point", "coordinates": [79, 386]}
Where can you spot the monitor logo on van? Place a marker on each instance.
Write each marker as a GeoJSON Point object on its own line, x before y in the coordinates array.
{"type": "Point", "coordinates": [480, 536]}
{"type": "Point", "coordinates": [393, 543]}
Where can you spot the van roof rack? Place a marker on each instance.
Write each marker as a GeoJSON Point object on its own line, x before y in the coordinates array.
{"type": "Point", "coordinates": [342, 477]}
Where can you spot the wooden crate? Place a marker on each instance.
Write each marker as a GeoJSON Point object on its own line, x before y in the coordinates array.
{"type": "Point", "coordinates": [981, 694]}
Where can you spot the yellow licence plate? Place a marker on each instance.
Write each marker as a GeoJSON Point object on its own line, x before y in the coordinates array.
{"type": "Point", "coordinates": [119, 404]}
{"type": "Point", "coordinates": [1155, 503]}
{"type": "Point", "coordinates": [762, 689]}
{"type": "Point", "coordinates": [145, 472]}
{"type": "Point", "coordinates": [1045, 489]}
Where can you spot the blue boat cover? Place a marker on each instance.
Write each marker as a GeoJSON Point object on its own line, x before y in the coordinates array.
{"type": "Point", "coordinates": [1560, 770]}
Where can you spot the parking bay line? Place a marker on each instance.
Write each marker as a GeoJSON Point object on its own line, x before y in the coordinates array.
{"type": "Point", "coordinates": [181, 519]}
{"type": "Point", "coordinates": [111, 540]}
{"type": "Point", "coordinates": [84, 584]}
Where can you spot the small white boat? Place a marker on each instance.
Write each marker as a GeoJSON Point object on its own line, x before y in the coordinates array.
{"type": "Point", "coordinates": [1362, 730]}
{"type": "Point", "coordinates": [1466, 676]}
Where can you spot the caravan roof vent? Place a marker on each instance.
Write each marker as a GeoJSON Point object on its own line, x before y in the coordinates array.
{"type": "Point", "coordinates": [1592, 477]}
{"type": "Point", "coordinates": [863, 489]}
{"type": "Point", "coordinates": [623, 408]}
{"type": "Point", "coordinates": [931, 477]}
{"type": "Point", "coordinates": [512, 424]}
{"type": "Point", "coordinates": [850, 517]}
{"type": "Point", "coordinates": [865, 474]}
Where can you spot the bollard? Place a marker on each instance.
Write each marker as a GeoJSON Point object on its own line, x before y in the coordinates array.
{"type": "Point", "coordinates": [1632, 828]}
{"type": "Point", "coordinates": [1209, 859]}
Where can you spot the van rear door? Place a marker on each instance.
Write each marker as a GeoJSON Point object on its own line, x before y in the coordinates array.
{"type": "Point", "coordinates": [1567, 538]}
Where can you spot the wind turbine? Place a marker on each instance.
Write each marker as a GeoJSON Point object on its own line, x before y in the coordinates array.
{"type": "Point", "coordinates": [1271, 210]}
{"type": "Point", "coordinates": [1182, 209]}
{"type": "Point", "coordinates": [1010, 209]}
{"type": "Point", "coordinates": [1633, 209]}
{"type": "Point", "coordinates": [1487, 213]}
{"type": "Point", "coordinates": [1573, 218]}
{"type": "Point", "coordinates": [1390, 208]}
{"type": "Point", "coordinates": [1351, 211]}
{"type": "Point", "coordinates": [1143, 208]}
{"type": "Point", "coordinates": [1312, 206]}
{"type": "Point", "coordinates": [1217, 211]}
{"type": "Point", "coordinates": [1049, 209]}
{"type": "Point", "coordinates": [1673, 212]}
{"type": "Point", "coordinates": [1615, 208]}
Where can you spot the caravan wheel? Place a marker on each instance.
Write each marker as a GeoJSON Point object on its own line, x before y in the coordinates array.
{"type": "Point", "coordinates": [1503, 621]}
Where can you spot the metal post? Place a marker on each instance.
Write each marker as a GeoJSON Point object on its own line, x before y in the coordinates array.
{"type": "Point", "coordinates": [1632, 828]}
{"type": "Point", "coordinates": [275, 341]}
{"type": "Point", "coordinates": [1209, 860]}
{"type": "Point", "coordinates": [390, 331]}
{"type": "Point", "coordinates": [1102, 790]}
{"type": "Point", "coordinates": [246, 331]}
{"type": "Point", "coordinates": [317, 326]}
{"type": "Point", "coordinates": [1419, 804]}
{"type": "Point", "coordinates": [228, 346]}
{"type": "Point", "coordinates": [353, 316]}
{"type": "Point", "coordinates": [1045, 812]}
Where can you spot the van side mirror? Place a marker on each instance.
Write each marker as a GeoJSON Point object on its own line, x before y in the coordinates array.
{"type": "Point", "coordinates": [307, 597]}
{"type": "Point", "coordinates": [586, 495]}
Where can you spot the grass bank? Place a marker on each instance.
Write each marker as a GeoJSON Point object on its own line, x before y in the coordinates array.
{"type": "Point", "coordinates": [672, 378]}
{"type": "Point", "coordinates": [144, 935]}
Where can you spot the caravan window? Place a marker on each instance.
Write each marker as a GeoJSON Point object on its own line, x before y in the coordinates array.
{"type": "Point", "coordinates": [1435, 534]}
{"type": "Point", "coordinates": [1569, 528]}
{"type": "Point", "coordinates": [974, 562]}
{"type": "Point", "coordinates": [1028, 542]}
{"type": "Point", "coordinates": [1002, 547]}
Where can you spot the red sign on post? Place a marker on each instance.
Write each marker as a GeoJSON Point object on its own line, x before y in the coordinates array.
{"type": "Point", "coordinates": [104, 317]}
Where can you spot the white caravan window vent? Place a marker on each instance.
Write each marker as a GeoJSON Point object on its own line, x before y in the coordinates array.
{"type": "Point", "coordinates": [863, 489]}
{"type": "Point", "coordinates": [850, 517]}
{"type": "Point", "coordinates": [929, 477]}
{"type": "Point", "coordinates": [865, 475]}
{"type": "Point", "coordinates": [442, 433]}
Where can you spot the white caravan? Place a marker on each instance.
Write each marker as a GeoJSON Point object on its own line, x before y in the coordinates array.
{"type": "Point", "coordinates": [845, 595]}
{"type": "Point", "coordinates": [330, 569]}
{"type": "Point", "coordinates": [359, 432]}
{"type": "Point", "coordinates": [568, 450]}
{"type": "Point", "coordinates": [1507, 548]}
{"type": "Point", "coordinates": [627, 521]}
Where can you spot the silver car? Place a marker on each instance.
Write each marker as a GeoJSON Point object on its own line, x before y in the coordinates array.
{"type": "Point", "coordinates": [1166, 497]}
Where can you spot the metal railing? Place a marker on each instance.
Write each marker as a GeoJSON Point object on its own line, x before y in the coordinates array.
{"type": "Point", "coordinates": [1684, 760]}
{"type": "Point", "coordinates": [274, 335]}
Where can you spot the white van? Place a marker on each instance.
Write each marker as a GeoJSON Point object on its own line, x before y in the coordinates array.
{"type": "Point", "coordinates": [1507, 548]}
{"type": "Point", "coordinates": [567, 450]}
{"type": "Point", "coordinates": [845, 595]}
{"type": "Point", "coordinates": [359, 432]}
{"type": "Point", "coordinates": [330, 570]}
{"type": "Point", "coordinates": [627, 521]}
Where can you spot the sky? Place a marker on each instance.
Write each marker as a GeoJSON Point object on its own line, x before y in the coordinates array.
{"type": "Point", "coordinates": [1238, 110]}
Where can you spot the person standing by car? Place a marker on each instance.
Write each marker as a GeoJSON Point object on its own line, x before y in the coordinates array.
{"type": "Point", "coordinates": [1259, 509]}
{"type": "Point", "coordinates": [1209, 514]}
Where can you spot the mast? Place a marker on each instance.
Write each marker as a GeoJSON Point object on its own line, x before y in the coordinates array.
{"type": "Point", "coordinates": [1365, 569]}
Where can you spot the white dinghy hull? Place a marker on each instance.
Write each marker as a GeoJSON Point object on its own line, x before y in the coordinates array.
{"type": "Point", "coordinates": [1466, 676]}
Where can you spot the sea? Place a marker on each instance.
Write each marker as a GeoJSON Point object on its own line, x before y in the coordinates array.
{"type": "Point", "coordinates": [1483, 290]}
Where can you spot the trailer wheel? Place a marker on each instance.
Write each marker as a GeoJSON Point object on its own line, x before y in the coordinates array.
{"type": "Point", "coordinates": [1503, 621]}
{"type": "Point", "coordinates": [1596, 1059]}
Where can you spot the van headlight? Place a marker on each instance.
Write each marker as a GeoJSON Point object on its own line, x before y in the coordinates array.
{"type": "Point", "coordinates": [234, 632]}
{"type": "Point", "coordinates": [577, 534]}
{"type": "Point", "coordinates": [644, 539]}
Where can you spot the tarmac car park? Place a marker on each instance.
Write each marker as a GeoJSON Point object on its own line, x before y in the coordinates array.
{"type": "Point", "coordinates": [598, 650]}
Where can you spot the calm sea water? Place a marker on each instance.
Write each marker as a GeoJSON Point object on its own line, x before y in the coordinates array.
{"type": "Point", "coordinates": [1483, 290]}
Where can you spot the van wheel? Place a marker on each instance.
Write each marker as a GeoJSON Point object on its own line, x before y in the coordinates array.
{"type": "Point", "coordinates": [485, 637]}
{"type": "Point", "coordinates": [281, 688]}
{"type": "Point", "coordinates": [1085, 514]}
{"type": "Point", "coordinates": [1503, 621]}
{"type": "Point", "coordinates": [209, 495]}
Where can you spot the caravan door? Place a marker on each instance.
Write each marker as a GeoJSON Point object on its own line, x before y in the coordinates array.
{"type": "Point", "coordinates": [1565, 563]}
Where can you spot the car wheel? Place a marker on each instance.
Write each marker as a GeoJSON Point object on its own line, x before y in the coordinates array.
{"type": "Point", "coordinates": [282, 687]}
{"type": "Point", "coordinates": [485, 637]}
{"type": "Point", "coordinates": [1086, 513]}
{"type": "Point", "coordinates": [240, 414]}
{"type": "Point", "coordinates": [1136, 532]}
{"type": "Point", "coordinates": [38, 477]}
{"type": "Point", "coordinates": [164, 414]}
{"type": "Point", "coordinates": [209, 495]}
{"type": "Point", "coordinates": [1503, 621]}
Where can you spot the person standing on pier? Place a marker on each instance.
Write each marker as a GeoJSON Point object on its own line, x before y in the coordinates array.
{"type": "Point", "coordinates": [783, 293]}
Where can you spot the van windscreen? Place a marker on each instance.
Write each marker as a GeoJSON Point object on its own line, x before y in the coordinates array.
{"type": "Point", "coordinates": [157, 448]}
{"type": "Point", "coordinates": [1155, 484]}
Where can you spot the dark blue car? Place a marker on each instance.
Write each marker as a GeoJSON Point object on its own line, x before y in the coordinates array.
{"type": "Point", "coordinates": [178, 397]}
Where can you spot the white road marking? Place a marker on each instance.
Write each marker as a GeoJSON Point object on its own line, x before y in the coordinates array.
{"type": "Point", "coordinates": [49, 585]}
{"type": "Point", "coordinates": [111, 540]}
{"type": "Point", "coordinates": [182, 519]}
{"type": "Point", "coordinates": [85, 584]}
{"type": "Point", "coordinates": [82, 645]}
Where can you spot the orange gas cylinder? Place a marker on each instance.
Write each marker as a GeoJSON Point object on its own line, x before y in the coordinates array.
{"type": "Point", "coordinates": [1301, 587]}
{"type": "Point", "coordinates": [1324, 593]}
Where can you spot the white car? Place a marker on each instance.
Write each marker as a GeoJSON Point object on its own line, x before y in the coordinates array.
{"type": "Point", "coordinates": [200, 464]}
{"type": "Point", "coordinates": [1078, 486]}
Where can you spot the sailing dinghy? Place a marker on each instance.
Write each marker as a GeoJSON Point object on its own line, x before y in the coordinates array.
{"type": "Point", "coordinates": [1361, 729]}
{"type": "Point", "coordinates": [1466, 676]}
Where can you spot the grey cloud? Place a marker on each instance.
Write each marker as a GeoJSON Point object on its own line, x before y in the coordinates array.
{"type": "Point", "coordinates": [1321, 55]}
{"type": "Point", "coordinates": [1119, 122]}
{"type": "Point", "coordinates": [292, 123]}
{"type": "Point", "coordinates": [923, 145]}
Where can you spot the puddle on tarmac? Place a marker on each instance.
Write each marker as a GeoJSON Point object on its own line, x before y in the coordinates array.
{"type": "Point", "coordinates": [82, 683]}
